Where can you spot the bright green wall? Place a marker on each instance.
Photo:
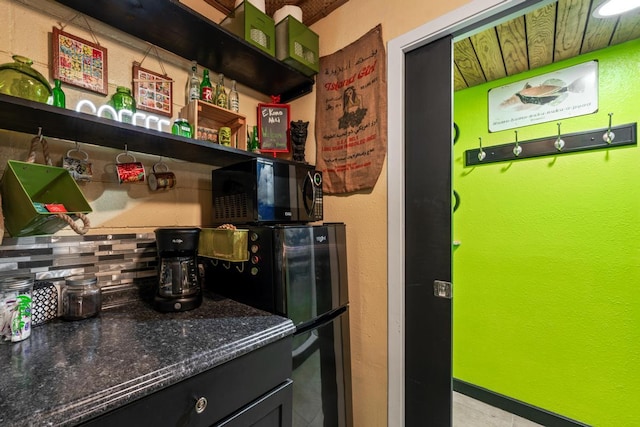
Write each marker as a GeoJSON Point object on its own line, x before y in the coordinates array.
{"type": "Point", "coordinates": [547, 274]}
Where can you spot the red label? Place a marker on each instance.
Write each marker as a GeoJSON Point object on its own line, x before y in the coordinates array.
{"type": "Point", "coordinates": [55, 207]}
{"type": "Point", "coordinates": [207, 94]}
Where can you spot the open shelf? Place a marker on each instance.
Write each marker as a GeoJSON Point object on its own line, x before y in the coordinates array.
{"type": "Point", "coordinates": [21, 115]}
{"type": "Point", "coordinates": [178, 29]}
{"type": "Point", "coordinates": [200, 113]}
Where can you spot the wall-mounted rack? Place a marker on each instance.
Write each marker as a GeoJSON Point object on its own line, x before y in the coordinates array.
{"type": "Point", "coordinates": [573, 142]}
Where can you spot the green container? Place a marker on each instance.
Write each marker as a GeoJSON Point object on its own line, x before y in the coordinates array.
{"type": "Point", "coordinates": [24, 184]}
{"type": "Point", "coordinates": [297, 46]}
{"type": "Point", "coordinates": [227, 245]}
{"type": "Point", "coordinates": [248, 22]}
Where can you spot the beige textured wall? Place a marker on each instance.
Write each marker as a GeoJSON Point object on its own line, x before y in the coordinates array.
{"type": "Point", "coordinates": [24, 30]}
{"type": "Point", "coordinates": [366, 213]}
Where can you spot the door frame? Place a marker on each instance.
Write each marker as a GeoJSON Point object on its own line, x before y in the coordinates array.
{"type": "Point", "coordinates": [472, 15]}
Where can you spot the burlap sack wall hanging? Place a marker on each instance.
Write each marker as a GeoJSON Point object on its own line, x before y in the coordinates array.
{"type": "Point", "coordinates": [351, 115]}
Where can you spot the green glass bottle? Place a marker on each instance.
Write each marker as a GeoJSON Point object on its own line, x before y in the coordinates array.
{"type": "Point", "coordinates": [59, 99]}
{"type": "Point", "coordinates": [206, 90]}
{"type": "Point", "coordinates": [254, 143]}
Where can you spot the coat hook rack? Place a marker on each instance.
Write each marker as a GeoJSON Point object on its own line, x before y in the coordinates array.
{"type": "Point", "coordinates": [559, 144]}
{"type": "Point", "coordinates": [573, 142]}
{"type": "Point", "coordinates": [517, 150]}
{"type": "Point", "coordinates": [608, 135]}
{"type": "Point", "coordinates": [481, 153]}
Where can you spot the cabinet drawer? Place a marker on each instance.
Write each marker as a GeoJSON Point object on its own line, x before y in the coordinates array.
{"type": "Point", "coordinates": [272, 410]}
{"type": "Point", "coordinates": [226, 389]}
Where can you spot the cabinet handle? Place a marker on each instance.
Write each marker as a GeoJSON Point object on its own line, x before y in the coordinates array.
{"type": "Point", "coordinates": [201, 405]}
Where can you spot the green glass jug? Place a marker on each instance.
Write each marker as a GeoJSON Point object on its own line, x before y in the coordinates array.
{"type": "Point", "coordinates": [19, 79]}
{"type": "Point", "coordinates": [123, 100]}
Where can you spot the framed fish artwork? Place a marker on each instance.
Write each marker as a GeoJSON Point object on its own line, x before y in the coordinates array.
{"type": "Point", "coordinates": [561, 94]}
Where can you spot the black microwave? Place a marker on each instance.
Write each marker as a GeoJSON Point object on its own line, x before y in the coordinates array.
{"type": "Point", "coordinates": [266, 191]}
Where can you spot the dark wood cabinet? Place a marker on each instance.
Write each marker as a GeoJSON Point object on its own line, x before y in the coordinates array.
{"type": "Point", "coordinates": [272, 410]}
{"type": "Point", "coordinates": [252, 390]}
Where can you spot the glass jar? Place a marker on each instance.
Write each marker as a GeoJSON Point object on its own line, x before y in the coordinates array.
{"type": "Point", "coordinates": [182, 127]}
{"type": "Point", "coordinates": [81, 298]}
{"type": "Point", "coordinates": [123, 100]}
{"type": "Point", "coordinates": [19, 79]}
{"type": "Point", "coordinates": [15, 308]}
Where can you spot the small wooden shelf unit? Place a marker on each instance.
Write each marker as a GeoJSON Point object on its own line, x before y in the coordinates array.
{"type": "Point", "coordinates": [200, 113]}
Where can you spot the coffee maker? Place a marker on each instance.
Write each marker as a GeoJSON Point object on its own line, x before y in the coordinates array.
{"type": "Point", "coordinates": [178, 279]}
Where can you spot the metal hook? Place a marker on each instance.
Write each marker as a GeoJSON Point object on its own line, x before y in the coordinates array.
{"type": "Point", "coordinates": [481, 154]}
{"type": "Point", "coordinates": [40, 136]}
{"type": "Point", "coordinates": [126, 149]}
{"type": "Point", "coordinates": [608, 135]}
{"type": "Point", "coordinates": [76, 148]}
{"type": "Point", "coordinates": [559, 144]}
{"type": "Point", "coordinates": [517, 150]}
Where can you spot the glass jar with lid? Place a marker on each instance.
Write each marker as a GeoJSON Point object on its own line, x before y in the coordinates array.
{"type": "Point", "coordinates": [18, 78]}
{"type": "Point", "coordinates": [123, 100]}
{"type": "Point", "coordinates": [182, 127]}
{"type": "Point", "coordinates": [15, 307]}
{"type": "Point", "coordinates": [81, 298]}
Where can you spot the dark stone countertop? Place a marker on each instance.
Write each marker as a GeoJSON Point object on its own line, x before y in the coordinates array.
{"type": "Point", "coordinates": [69, 372]}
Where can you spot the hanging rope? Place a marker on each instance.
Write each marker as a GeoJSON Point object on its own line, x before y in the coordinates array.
{"type": "Point", "coordinates": [68, 21]}
{"type": "Point", "coordinates": [139, 64]}
{"type": "Point", "coordinates": [39, 139]}
{"type": "Point", "coordinates": [86, 224]}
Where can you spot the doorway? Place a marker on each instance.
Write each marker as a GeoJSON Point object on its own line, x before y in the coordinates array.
{"type": "Point", "coordinates": [400, 259]}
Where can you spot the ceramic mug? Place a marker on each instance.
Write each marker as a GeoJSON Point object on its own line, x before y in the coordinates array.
{"type": "Point", "coordinates": [161, 179]}
{"type": "Point", "coordinates": [79, 169]}
{"type": "Point", "coordinates": [129, 172]}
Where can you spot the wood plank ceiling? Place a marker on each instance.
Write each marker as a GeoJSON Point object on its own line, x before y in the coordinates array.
{"type": "Point", "coordinates": [312, 10]}
{"type": "Point", "coordinates": [555, 32]}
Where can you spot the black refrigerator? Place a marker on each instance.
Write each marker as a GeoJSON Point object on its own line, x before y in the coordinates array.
{"type": "Point", "coordinates": [300, 272]}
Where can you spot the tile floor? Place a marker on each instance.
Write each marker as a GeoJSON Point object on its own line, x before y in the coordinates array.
{"type": "Point", "coordinates": [468, 412]}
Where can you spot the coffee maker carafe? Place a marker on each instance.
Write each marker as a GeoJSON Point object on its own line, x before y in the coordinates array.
{"type": "Point", "coordinates": [178, 279]}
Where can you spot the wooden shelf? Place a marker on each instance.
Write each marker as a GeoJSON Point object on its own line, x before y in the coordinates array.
{"type": "Point", "coordinates": [178, 29]}
{"type": "Point", "coordinates": [200, 113]}
{"type": "Point", "coordinates": [21, 115]}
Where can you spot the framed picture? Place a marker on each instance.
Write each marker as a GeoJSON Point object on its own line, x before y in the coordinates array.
{"type": "Point", "coordinates": [153, 92]}
{"type": "Point", "coordinates": [273, 128]}
{"type": "Point", "coordinates": [561, 94]}
{"type": "Point", "coordinates": [79, 62]}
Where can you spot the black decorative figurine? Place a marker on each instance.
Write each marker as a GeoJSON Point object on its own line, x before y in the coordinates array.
{"type": "Point", "coordinates": [298, 139]}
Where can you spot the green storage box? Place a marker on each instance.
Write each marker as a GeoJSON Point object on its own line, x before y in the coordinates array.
{"type": "Point", "coordinates": [248, 22]}
{"type": "Point", "coordinates": [297, 46]}
{"type": "Point", "coordinates": [227, 245]}
{"type": "Point", "coordinates": [24, 184]}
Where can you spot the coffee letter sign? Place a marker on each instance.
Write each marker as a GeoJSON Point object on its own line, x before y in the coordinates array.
{"type": "Point", "coordinates": [273, 126]}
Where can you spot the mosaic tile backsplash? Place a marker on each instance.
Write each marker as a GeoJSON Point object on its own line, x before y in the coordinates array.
{"type": "Point", "coordinates": [124, 264]}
